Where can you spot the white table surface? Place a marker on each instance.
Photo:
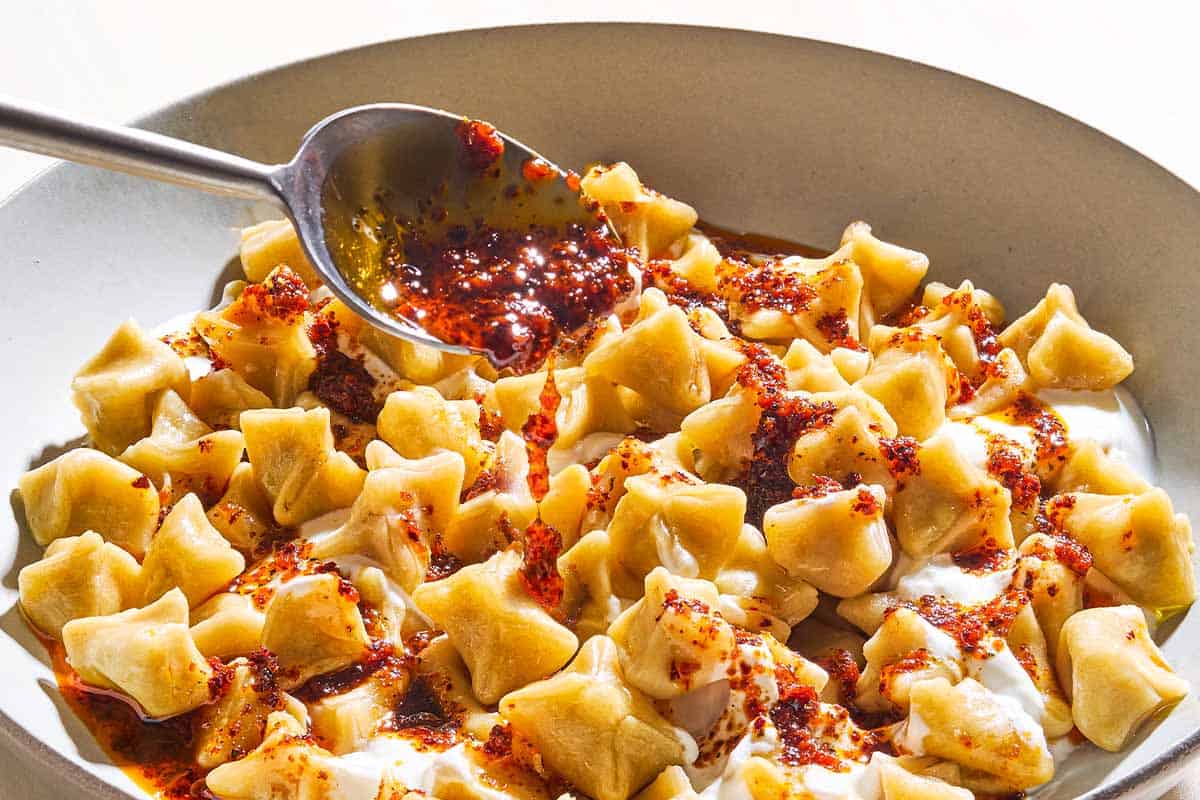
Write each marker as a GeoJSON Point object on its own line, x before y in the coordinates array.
{"type": "Point", "coordinates": [1127, 69]}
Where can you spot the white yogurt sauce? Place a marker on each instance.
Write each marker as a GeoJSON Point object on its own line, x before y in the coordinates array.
{"type": "Point", "coordinates": [939, 575]}
{"type": "Point", "coordinates": [1112, 419]}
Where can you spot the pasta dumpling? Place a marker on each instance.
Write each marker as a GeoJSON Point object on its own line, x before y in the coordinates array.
{"type": "Point", "coordinates": [267, 245]}
{"type": "Point", "coordinates": [80, 576]}
{"type": "Point", "coordinates": [116, 389]}
{"type": "Point", "coordinates": [189, 553]}
{"type": "Point", "coordinates": [220, 397]}
{"type": "Point", "coordinates": [419, 422]}
{"type": "Point", "coordinates": [145, 653]}
{"type": "Point", "coordinates": [313, 626]}
{"type": "Point", "coordinates": [236, 723]}
{"type": "Point", "coordinates": [505, 637]}
{"type": "Point", "coordinates": [84, 490]}
{"type": "Point", "coordinates": [645, 219]}
{"type": "Point", "coordinates": [227, 625]}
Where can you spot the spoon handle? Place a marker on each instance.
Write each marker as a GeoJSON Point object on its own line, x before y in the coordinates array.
{"type": "Point", "coordinates": [137, 152]}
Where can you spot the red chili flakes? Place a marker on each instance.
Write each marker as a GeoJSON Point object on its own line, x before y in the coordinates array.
{"type": "Point", "coordinates": [866, 504]}
{"type": "Point", "coordinates": [795, 716]}
{"type": "Point", "coordinates": [1006, 463]}
{"type": "Point", "coordinates": [481, 144]}
{"type": "Point", "coordinates": [539, 565]}
{"type": "Point", "coordinates": [282, 298]}
{"type": "Point", "coordinates": [987, 346]}
{"type": "Point", "coordinates": [141, 482]}
{"type": "Point", "coordinates": [221, 680]}
{"type": "Point", "coordinates": [783, 419]}
{"type": "Point", "coordinates": [822, 485]}
{"type": "Point", "coordinates": [485, 482]}
{"type": "Point", "coordinates": [380, 656]}
{"type": "Point", "coordinates": [442, 563]}
{"type": "Point", "coordinates": [988, 556]}
{"type": "Point", "coordinates": [843, 669]}
{"type": "Point", "coordinates": [759, 284]}
{"type": "Point", "coordinates": [1028, 661]}
{"type": "Point", "coordinates": [1049, 430]}
{"type": "Point", "coordinates": [969, 625]}
{"type": "Point", "coordinates": [499, 743]}
{"type": "Point", "coordinates": [680, 292]}
{"type": "Point", "coordinates": [540, 432]}
{"type": "Point", "coordinates": [835, 327]}
{"type": "Point", "coordinates": [1069, 551]}
{"type": "Point", "coordinates": [342, 382]}
{"type": "Point", "coordinates": [901, 454]}
{"type": "Point", "coordinates": [1074, 554]}
{"type": "Point", "coordinates": [490, 423]}
{"type": "Point", "coordinates": [537, 169]}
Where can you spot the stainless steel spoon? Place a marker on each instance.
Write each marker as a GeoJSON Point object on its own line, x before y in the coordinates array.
{"type": "Point", "coordinates": [368, 161]}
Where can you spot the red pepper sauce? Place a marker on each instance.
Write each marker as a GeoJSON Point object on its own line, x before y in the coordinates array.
{"type": "Point", "coordinates": [540, 431]}
{"type": "Point", "coordinates": [539, 566]}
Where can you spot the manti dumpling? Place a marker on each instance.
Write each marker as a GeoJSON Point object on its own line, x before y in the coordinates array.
{"type": "Point", "coordinates": [505, 637]}
{"type": "Point", "coordinates": [1061, 350]}
{"type": "Point", "coordinates": [80, 576]}
{"type": "Point", "coordinates": [890, 273]}
{"type": "Point", "coordinates": [189, 553]}
{"type": "Point", "coordinates": [965, 723]}
{"type": "Point", "coordinates": [235, 724]}
{"type": "Point", "coordinates": [913, 378]}
{"type": "Point", "coordinates": [116, 389]}
{"type": "Point", "coordinates": [588, 404]}
{"type": "Point", "coordinates": [262, 335]}
{"type": "Point", "coordinates": [498, 509]}
{"type": "Point", "coordinates": [645, 219]}
{"type": "Point", "coordinates": [1114, 674]}
{"type": "Point", "coordinates": [420, 422]}
{"type": "Point", "coordinates": [296, 464]}
{"type": "Point", "coordinates": [838, 542]}
{"type": "Point", "coordinates": [595, 730]}
{"type": "Point", "coordinates": [313, 626]}
{"type": "Point", "coordinates": [267, 245]}
{"type": "Point", "coordinates": [1137, 541]}
{"type": "Point", "coordinates": [145, 653]}
{"type": "Point", "coordinates": [84, 490]}
{"type": "Point", "coordinates": [183, 452]}
{"type": "Point", "coordinates": [243, 515]}
{"type": "Point", "coordinates": [227, 625]}
{"type": "Point", "coordinates": [220, 397]}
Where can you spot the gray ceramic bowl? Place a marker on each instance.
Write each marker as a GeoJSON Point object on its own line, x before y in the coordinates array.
{"type": "Point", "coordinates": [776, 135]}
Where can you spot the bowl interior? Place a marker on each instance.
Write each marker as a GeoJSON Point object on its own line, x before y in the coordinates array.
{"type": "Point", "coordinates": [772, 134]}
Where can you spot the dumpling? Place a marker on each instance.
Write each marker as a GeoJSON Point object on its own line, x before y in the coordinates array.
{"type": "Point", "coordinates": [898, 783]}
{"type": "Point", "coordinates": [761, 589]}
{"type": "Point", "coordinates": [189, 553]}
{"type": "Point", "coordinates": [243, 515]}
{"type": "Point", "coordinates": [810, 370]}
{"type": "Point", "coordinates": [227, 625]}
{"type": "Point", "coordinates": [220, 397]}
{"type": "Point", "coordinates": [116, 389]}
{"type": "Point", "coordinates": [145, 653]}
{"type": "Point", "coordinates": [84, 490]}
{"type": "Point", "coordinates": [914, 379]}
{"type": "Point", "coordinates": [588, 596]}
{"type": "Point", "coordinates": [902, 652]}
{"type": "Point", "coordinates": [1138, 541]}
{"type": "Point", "coordinates": [497, 509]}
{"type": "Point", "coordinates": [262, 335]}
{"type": "Point", "coordinates": [184, 453]}
{"type": "Point", "coordinates": [950, 504]}
{"type": "Point", "coordinates": [967, 724]}
{"type": "Point", "coordinates": [891, 274]}
{"type": "Point", "coordinates": [1053, 573]}
{"type": "Point", "coordinates": [565, 503]}
{"type": "Point", "coordinates": [345, 722]}
{"type": "Point", "coordinates": [237, 722]}
{"type": "Point", "coordinates": [852, 444]}
{"type": "Point", "coordinates": [1090, 469]}
{"type": "Point", "coordinates": [687, 527]}
{"type": "Point", "coordinates": [778, 300]}
{"type": "Point", "coordinates": [1061, 350]}
{"type": "Point", "coordinates": [505, 637]}
{"type": "Point", "coordinates": [1114, 674]}
{"type": "Point", "coordinates": [660, 358]}
{"type": "Point", "coordinates": [419, 422]}
{"type": "Point", "coordinates": [267, 245]}
{"type": "Point", "coordinates": [719, 435]}
{"type": "Point", "coordinates": [313, 626]}
{"type": "Point", "coordinates": [592, 728]}
{"type": "Point", "coordinates": [646, 220]}
{"type": "Point", "coordinates": [674, 639]}
{"type": "Point", "coordinates": [838, 542]}
{"type": "Point", "coordinates": [588, 404]}
{"type": "Point", "coordinates": [296, 464]}
{"type": "Point", "coordinates": [81, 576]}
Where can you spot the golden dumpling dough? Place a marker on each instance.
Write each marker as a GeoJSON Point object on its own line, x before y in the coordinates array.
{"type": "Point", "coordinates": [719, 435]}
{"type": "Point", "coordinates": [506, 639]}
{"type": "Point", "coordinates": [592, 728]}
{"type": "Point", "coordinates": [84, 490]}
{"type": "Point", "coordinates": [898, 783]}
{"type": "Point", "coordinates": [850, 444]}
{"type": "Point", "coordinates": [1138, 541]}
{"type": "Point", "coordinates": [955, 318]}
{"type": "Point", "coordinates": [1061, 350]}
{"type": "Point", "coordinates": [145, 653]}
{"type": "Point", "coordinates": [828, 319]}
{"type": "Point", "coordinates": [243, 515]}
{"type": "Point", "coordinates": [644, 219]}
{"type": "Point", "coordinates": [891, 273]}
{"type": "Point", "coordinates": [837, 542]}
{"type": "Point", "coordinates": [885, 687]}
{"type": "Point", "coordinates": [189, 553]}
{"type": "Point", "coordinates": [674, 639]}
{"type": "Point", "coordinates": [565, 503]}
{"type": "Point", "coordinates": [345, 722]}
{"type": "Point", "coordinates": [690, 528]}
{"type": "Point", "coordinates": [267, 245]}
{"type": "Point", "coordinates": [914, 379]}
{"type": "Point", "coordinates": [965, 723]}
{"type": "Point", "coordinates": [671, 784]}
{"type": "Point", "coordinates": [296, 464]}
{"type": "Point", "coordinates": [220, 397]}
{"type": "Point", "coordinates": [313, 626]}
{"type": "Point", "coordinates": [587, 404]}
{"type": "Point", "coordinates": [1055, 585]}
{"type": "Point", "coordinates": [489, 521]}
{"type": "Point", "coordinates": [1090, 469]}
{"type": "Point", "coordinates": [587, 585]}
{"type": "Point", "coordinates": [235, 724]}
{"type": "Point", "coordinates": [80, 576]}
{"type": "Point", "coordinates": [752, 580]}
{"type": "Point", "coordinates": [658, 357]}
{"type": "Point", "coordinates": [950, 504]}
{"type": "Point", "coordinates": [1004, 385]}
{"type": "Point", "coordinates": [116, 389]}
{"type": "Point", "coordinates": [810, 370]}
{"type": "Point", "coordinates": [419, 422]}
{"type": "Point", "coordinates": [1026, 640]}
{"type": "Point", "coordinates": [1114, 674]}
{"type": "Point", "coordinates": [227, 625]}
{"type": "Point", "coordinates": [183, 452]}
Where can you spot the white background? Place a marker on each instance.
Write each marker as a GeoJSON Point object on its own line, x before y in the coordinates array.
{"type": "Point", "coordinates": [1128, 69]}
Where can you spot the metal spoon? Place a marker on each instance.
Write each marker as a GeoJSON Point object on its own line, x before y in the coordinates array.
{"type": "Point", "coordinates": [374, 160]}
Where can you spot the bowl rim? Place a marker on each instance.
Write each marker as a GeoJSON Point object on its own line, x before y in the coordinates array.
{"type": "Point", "coordinates": [1160, 772]}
